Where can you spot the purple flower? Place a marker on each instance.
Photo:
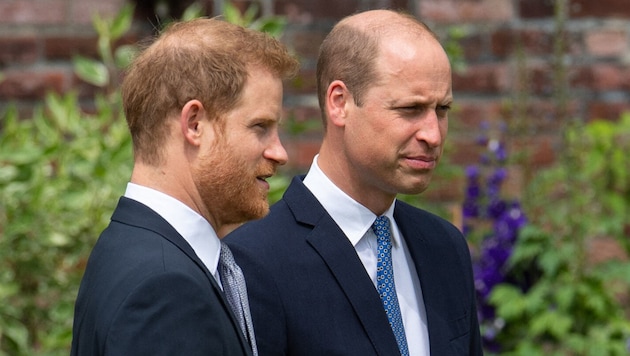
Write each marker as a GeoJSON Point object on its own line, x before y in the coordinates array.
{"type": "Point", "coordinates": [470, 209]}
{"type": "Point", "coordinates": [472, 172]}
{"type": "Point", "coordinates": [473, 191]}
{"type": "Point", "coordinates": [496, 208]}
{"type": "Point", "coordinates": [501, 154]}
{"type": "Point", "coordinates": [505, 218]}
{"type": "Point", "coordinates": [498, 176]}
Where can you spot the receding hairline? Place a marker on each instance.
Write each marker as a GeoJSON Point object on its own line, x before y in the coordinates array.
{"type": "Point", "coordinates": [381, 23]}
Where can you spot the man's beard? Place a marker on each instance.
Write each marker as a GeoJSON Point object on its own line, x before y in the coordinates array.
{"type": "Point", "coordinates": [229, 190]}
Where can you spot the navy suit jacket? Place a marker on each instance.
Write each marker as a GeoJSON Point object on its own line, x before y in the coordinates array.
{"type": "Point", "coordinates": [145, 292]}
{"type": "Point", "coordinates": [310, 294]}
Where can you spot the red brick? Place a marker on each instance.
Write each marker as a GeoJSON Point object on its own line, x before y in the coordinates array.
{"type": "Point", "coordinates": [482, 78]}
{"type": "Point", "coordinates": [537, 115]}
{"type": "Point", "coordinates": [83, 11]}
{"type": "Point", "coordinates": [303, 114]}
{"type": "Point", "coordinates": [65, 47]}
{"type": "Point", "coordinates": [33, 84]}
{"type": "Point", "coordinates": [607, 110]}
{"type": "Point", "coordinates": [469, 114]}
{"type": "Point", "coordinates": [306, 43]}
{"type": "Point", "coordinates": [599, 8]}
{"type": "Point", "coordinates": [606, 42]}
{"type": "Point", "coordinates": [305, 11]}
{"type": "Point", "coordinates": [84, 89]}
{"type": "Point", "coordinates": [32, 12]}
{"type": "Point", "coordinates": [604, 249]}
{"type": "Point", "coordinates": [301, 152]}
{"type": "Point", "coordinates": [541, 78]}
{"type": "Point", "coordinates": [581, 77]}
{"type": "Point", "coordinates": [535, 151]}
{"type": "Point", "coordinates": [474, 47]}
{"type": "Point", "coordinates": [514, 184]}
{"type": "Point", "coordinates": [18, 50]}
{"type": "Point", "coordinates": [533, 42]}
{"type": "Point", "coordinates": [536, 8]}
{"type": "Point", "coordinates": [304, 82]}
{"type": "Point", "coordinates": [457, 11]}
{"type": "Point", "coordinates": [464, 150]}
{"type": "Point", "coordinates": [444, 187]}
{"type": "Point", "coordinates": [609, 77]}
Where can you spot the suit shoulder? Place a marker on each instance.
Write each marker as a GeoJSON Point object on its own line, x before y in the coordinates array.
{"type": "Point", "coordinates": [272, 226]}
{"type": "Point", "coordinates": [408, 211]}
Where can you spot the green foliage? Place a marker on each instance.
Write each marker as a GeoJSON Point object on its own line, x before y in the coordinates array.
{"type": "Point", "coordinates": [60, 173]}
{"type": "Point", "coordinates": [454, 49]}
{"type": "Point", "coordinates": [273, 25]}
{"type": "Point", "coordinates": [103, 72]}
{"type": "Point", "coordinates": [573, 306]}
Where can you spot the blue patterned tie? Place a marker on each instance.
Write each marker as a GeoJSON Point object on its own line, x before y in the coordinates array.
{"type": "Point", "coordinates": [385, 282]}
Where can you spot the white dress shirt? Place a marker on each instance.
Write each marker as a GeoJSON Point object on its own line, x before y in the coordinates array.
{"type": "Point", "coordinates": [355, 220]}
{"type": "Point", "coordinates": [194, 228]}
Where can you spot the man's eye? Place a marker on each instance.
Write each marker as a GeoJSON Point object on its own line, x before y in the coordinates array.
{"type": "Point", "coordinates": [261, 126]}
{"type": "Point", "coordinates": [410, 108]}
{"type": "Point", "coordinates": [443, 108]}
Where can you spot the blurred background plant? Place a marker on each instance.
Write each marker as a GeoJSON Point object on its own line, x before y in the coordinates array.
{"type": "Point", "coordinates": [543, 288]}
{"type": "Point", "coordinates": [549, 294]}
{"type": "Point", "coordinates": [491, 222]}
{"type": "Point", "coordinates": [60, 171]}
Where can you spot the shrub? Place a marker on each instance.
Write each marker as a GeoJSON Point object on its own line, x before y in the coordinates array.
{"type": "Point", "coordinates": [550, 299]}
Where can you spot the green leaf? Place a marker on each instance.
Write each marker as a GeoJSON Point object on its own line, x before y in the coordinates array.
{"type": "Point", "coordinates": [551, 322]}
{"type": "Point", "coordinates": [232, 14]}
{"type": "Point", "coordinates": [101, 26]}
{"type": "Point", "coordinates": [195, 10]}
{"type": "Point", "coordinates": [122, 22]}
{"type": "Point", "coordinates": [124, 55]}
{"type": "Point", "coordinates": [58, 239]}
{"type": "Point", "coordinates": [508, 301]}
{"type": "Point", "coordinates": [565, 296]}
{"type": "Point", "coordinates": [274, 26]}
{"type": "Point", "coordinates": [91, 71]}
{"type": "Point", "coordinates": [250, 14]}
{"type": "Point", "coordinates": [7, 174]}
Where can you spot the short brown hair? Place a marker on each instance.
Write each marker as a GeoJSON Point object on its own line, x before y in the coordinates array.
{"type": "Point", "coordinates": [349, 52]}
{"type": "Point", "coordinates": [203, 59]}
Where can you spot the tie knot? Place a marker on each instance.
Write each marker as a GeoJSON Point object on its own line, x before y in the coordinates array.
{"type": "Point", "coordinates": [381, 227]}
{"type": "Point", "coordinates": [226, 258]}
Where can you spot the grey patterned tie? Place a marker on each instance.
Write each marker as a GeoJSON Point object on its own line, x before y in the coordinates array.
{"type": "Point", "coordinates": [236, 293]}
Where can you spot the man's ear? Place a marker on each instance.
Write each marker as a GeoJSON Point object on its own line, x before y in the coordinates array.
{"type": "Point", "coordinates": [190, 120]}
{"type": "Point", "coordinates": [337, 99]}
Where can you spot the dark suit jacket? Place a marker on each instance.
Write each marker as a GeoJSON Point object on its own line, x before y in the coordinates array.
{"type": "Point", "coordinates": [310, 294]}
{"type": "Point", "coordinates": [145, 292]}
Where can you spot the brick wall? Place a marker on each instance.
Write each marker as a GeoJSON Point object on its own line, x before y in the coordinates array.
{"type": "Point", "coordinates": [37, 40]}
{"type": "Point", "coordinates": [508, 47]}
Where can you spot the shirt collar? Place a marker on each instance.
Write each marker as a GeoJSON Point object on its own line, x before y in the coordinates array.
{"type": "Point", "coordinates": [196, 230]}
{"type": "Point", "coordinates": [352, 218]}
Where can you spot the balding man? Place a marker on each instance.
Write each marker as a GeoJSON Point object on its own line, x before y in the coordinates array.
{"type": "Point", "coordinates": [203, 104]}
{"type": "Point", "coordinates": [339, 266]}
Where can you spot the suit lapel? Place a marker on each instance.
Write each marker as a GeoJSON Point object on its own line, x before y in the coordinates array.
{"type": "Point", "coordinates": [341, 258]}
{"type": "Point", "coordinates": [135, 213]}
{"type": "Point", "coordinates": [420, 235]}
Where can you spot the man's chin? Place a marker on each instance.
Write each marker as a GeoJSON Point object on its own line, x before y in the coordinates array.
{"type": "Point", "coordinates": [252, 212]}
